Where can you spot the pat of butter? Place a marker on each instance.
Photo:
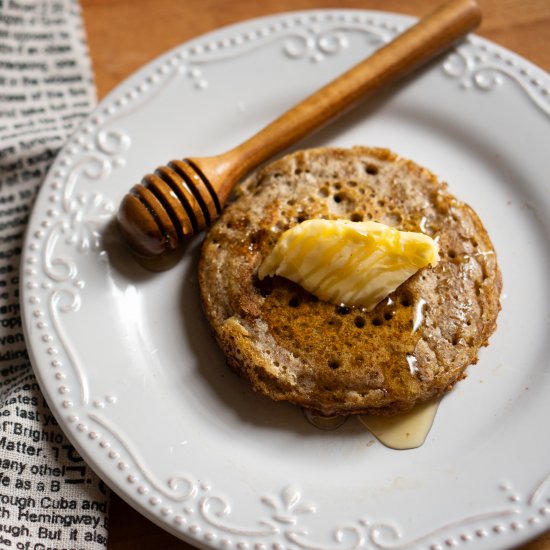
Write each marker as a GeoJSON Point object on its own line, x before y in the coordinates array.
{"type": "Point", "coordinates": [351, 263]}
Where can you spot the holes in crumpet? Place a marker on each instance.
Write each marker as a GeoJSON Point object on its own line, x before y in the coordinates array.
{"type": "Point", "coordinates": [371, 169]}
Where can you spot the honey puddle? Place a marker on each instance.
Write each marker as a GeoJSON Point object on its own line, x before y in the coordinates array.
{"type": "Point", "coordinates": [324, 422]}
{"type": "Point", "coordinates": [403, 431]}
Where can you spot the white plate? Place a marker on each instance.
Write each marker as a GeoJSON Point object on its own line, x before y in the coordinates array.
{"type": "Point", "coordinates": [126, 361]}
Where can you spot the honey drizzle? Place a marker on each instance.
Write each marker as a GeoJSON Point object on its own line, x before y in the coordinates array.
{"type": "Point", "coordinates": [324, 422]}
{"type": "Point", "coordinates": [400, 432]}
{"type": "Point", "coordinates": [403, 431]}
{"type": "Point", "coordinates": [418, 318]}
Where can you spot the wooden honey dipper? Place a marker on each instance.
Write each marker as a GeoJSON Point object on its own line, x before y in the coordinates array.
{"type": "Point", "coordinates": [179, 200]}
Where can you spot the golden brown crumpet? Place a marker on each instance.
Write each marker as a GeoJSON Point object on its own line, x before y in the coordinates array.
{"type": "Point", "coordinates": [334, 359]}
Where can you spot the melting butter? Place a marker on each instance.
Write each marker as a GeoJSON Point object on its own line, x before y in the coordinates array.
{"type": "Point", "coordinates": [353, 263]}
{"type": "Point", "coordinates": [403, 431]}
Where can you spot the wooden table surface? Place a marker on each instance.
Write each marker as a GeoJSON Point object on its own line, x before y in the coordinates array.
{"type": "Point", "coordinates": [125, 34]}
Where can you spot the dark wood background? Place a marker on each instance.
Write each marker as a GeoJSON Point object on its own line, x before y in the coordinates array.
{"type": "Point", "coordinates": [125, 34]}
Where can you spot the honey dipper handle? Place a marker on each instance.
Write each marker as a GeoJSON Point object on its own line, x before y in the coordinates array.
{"type": "Point", "coordinates": [420, 43]}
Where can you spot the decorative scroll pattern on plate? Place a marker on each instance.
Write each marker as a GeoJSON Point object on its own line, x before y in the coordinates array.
{"type": "Point", "coordinates": [479, 66]}
{"type": "Point", "coordinates": [74, 222]}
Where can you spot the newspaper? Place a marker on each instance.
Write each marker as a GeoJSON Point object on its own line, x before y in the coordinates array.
{"type": "Point", "coordinates": [49, 498]}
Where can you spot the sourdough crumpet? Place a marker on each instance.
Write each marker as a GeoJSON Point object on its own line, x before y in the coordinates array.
{"type": "Point", "coordinates": [333, 359]}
